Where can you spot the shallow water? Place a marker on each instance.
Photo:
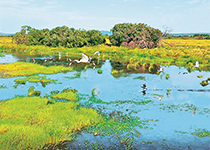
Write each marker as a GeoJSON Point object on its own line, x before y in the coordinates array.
{"type": "Point", "coordinates": [185, 94]}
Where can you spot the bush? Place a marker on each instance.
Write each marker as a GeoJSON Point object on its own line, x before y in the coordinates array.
{"type": "Point", "coordinates": [135, 35]}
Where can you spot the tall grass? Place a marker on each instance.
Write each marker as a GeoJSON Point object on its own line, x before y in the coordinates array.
{"type": "Point", "coordinates": [30, 122]}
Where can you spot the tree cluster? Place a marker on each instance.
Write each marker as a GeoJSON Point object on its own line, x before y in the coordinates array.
{"type": "Point", "coordinates": [135, 35]}
{"type": "Point", "coordinates": [59, 36]}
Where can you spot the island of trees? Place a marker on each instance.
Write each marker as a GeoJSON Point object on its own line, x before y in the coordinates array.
{"type": "Point", "coordinates": [126, 34]}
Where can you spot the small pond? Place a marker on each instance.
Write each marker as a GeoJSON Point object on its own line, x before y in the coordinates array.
{"type": "Point", "coordinates": [176, 106]}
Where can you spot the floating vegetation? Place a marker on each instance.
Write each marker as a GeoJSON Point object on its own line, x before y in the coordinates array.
{"type": "Point", "coordinates": [77, 75]}
{"type": "Point", "coordinates": [100, 71]}
{"type": "Point", "coordinates": [3, 86]}
{"type": "Point", "coordinates": [201, 133]}
{"type": "Point", "coordinates": [167, 76]}
{"type": "Point", "coordinates": [26, 69]}
{"type": "Point", "coordinates": [117, 73]}
{"type": "Point", "coordinates": [204, 83]}
{"type": "Point", "coordinates": [180, 132]}
{"type": "Point", "coordinates": [199, 76]}
{"type": "Point", "coordinates": [140, 78]}
{"type": "Point", "coordinates": [35, 79]}
{"type": "Point", "coordinates": [30, 123]}
{"type": "Point", "coordinates": [180, 107]}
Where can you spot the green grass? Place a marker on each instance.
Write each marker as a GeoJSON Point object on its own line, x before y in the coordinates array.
{"type": "Point", "coordinates": [32, 122]}
{"type": "Point", "coordinates": [70, 96]}
{"type": "Point", "coordinates": [26, 69]}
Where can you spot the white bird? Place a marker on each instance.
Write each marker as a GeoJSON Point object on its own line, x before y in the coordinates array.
{"type": "Point", "coordinates": [59, 55]}
{"type": "Point", "coordinates": [45, 59]}
{"type": "Point", "coordinates": [84, 59]}
{"type": "Point", "coordinates": [97, 52]}
{"type": "Point", "coordinates": [196, 64]}
{"type": "Point", "coordinates": [161, 69]}
{"type": "Point", "coordinates": [159, 98]}
{"type": "Point", "coordinates": [94, 63]}
{"type": "Point", "coordinates": [51, 57]}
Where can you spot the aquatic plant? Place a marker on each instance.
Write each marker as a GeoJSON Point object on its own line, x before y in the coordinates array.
{"type": "Point", "coordinates": [100, 71]}
{"type": "Point", "coordinates": [201, 133]}
{"type": "Point", "coordinates": [33, 92]}
{"type": "Point", "coordinates": [204, 83]}
{"type": "Point", "coordinates": [3, 86]}
{"type": "Point", "coordinates": [35, 79]}
{"type": "Point", "coordinates": [199, 76]}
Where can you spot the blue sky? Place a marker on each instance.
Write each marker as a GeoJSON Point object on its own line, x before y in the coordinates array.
{"type": "Point", "coordinates": [182, 16]}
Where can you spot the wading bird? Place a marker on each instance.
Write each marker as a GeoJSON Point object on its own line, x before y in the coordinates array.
{"type": "Point", "coordinates": [34, 61]}
{"type": "Point", "coordinates": [161, 69]}
{"type": "Point", "coordinates": [84, 59]}
{"type": "Point", "coordinates": [196, 64]}
{"type": "Point", "coordinates": [97, 52]}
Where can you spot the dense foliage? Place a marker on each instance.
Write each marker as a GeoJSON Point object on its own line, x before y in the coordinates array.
{"type": "Point", "coordinates": [135, 35]}
{"type": "Point", "coordinates": [59, 36]}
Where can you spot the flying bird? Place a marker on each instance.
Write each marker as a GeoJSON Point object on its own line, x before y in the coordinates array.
{"type": "Point", "coordinates": [84, 59]}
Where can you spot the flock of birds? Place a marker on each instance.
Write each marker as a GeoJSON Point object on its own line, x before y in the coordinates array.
{"type": "Point", "coordinates": [84, 59]}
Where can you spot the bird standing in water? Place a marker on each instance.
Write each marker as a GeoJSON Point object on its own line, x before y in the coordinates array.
{"type": "Point", "coordinates": [144, 88]}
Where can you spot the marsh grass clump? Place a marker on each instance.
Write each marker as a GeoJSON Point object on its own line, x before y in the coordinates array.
{"type": "Point", "coordinates": [35, 79]}
{"type": "Point", "coordinates": [100, 71]}
{"type": "Point", "coordinates": [26, 69]}
{"type": "Point", "coordinates": [33, 92]}
{"type": "Point", "coordinates": [70, 96]}
{"type": "Point", "coordinates": [55, 92]}
{"type": "Point", "coordinates": [32, 122]}
{"type": "Point", "coordinates": [204, 83]}
{"type": "Point", "coordinates": [66, 94]}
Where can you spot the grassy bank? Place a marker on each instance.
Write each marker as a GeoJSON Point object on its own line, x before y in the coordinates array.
{"type": "Point", "coordinates": [179, 52]}
{"type": "Point", "coordinates": [32, 122]}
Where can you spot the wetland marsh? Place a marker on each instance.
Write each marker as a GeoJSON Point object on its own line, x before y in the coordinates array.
{"type": "Point", "coordinates": [104, 106]}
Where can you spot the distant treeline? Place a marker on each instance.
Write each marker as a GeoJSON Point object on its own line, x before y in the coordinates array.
{"type": "Point", "coordinates": [126, 34]}
{"type": "Point", "coordinates": [187, 36]}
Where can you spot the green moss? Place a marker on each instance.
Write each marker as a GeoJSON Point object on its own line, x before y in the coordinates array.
{"type": "Point", "coordinates": [30, 122]}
